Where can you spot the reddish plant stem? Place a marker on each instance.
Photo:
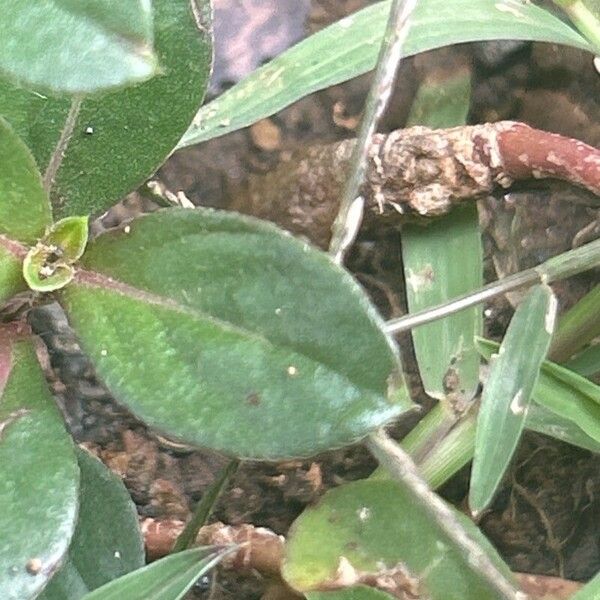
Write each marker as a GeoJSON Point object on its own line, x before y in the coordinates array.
{"type": "Point", "coordinates": [415, 172]}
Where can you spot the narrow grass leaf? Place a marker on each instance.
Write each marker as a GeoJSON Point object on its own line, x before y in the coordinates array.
{"type": "Point", "coordinates": [577, 327]}
{"type": "Point", "coordinates": [350, 47]}
{"type": "Point", "coordinates": [445, 260]}
{"type": "Point", "coordinates": [587, 362]}
{"type": "Point", "coordinates": [542, 420]}
{"type": "Point", "coordinates": [590, 591]}
{"type": "Point", "coordinates": [564, 393]}
{"type": "Point", "coordinates": [107, 542]}
{"type": "Point", "coordinates": [508, 391]}
{"type": "Point", "coordinates": [166, 579]}
{"type": "Point", "coordinates": [77, 47]}
{"type": "Point", "coordinates": [39, 477]}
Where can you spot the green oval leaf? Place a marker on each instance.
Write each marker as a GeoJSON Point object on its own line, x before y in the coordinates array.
{"type": "Point", "coordinates": [107, 543]}
{"type": "Point", "coordinates": [226, 332]}
{"type": "Point", "coordinates": [350, 48]}
{"type": "Point", "coordinates": [38, 473]}
{"type": "Point", "coordinates": [119, 139]}
{"type": "Point", "coordinates": [77, 47]}
{"type": "Point", "coordinates": [372, 529]}
{"type": "Point", "coordinates": [24, 207]}
{"type": "Point", "coordinates": [508, 392]}
{"type": "Point", "coordinates": [166, 579]}
{"type": "Point", "coordinates": [48, 266]}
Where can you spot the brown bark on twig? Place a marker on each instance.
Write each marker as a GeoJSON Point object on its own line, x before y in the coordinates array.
{"type": "Point", "coordinates": [262, 550]}
{"type": "Point", "coordinates": [416, 171]}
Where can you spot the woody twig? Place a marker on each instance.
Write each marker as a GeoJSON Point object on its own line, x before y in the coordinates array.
{"type": "Point", "coordinates": [415, 172]}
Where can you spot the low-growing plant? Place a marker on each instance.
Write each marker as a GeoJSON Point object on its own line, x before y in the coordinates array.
{"type": "Point", "coordinates": [225, 332]}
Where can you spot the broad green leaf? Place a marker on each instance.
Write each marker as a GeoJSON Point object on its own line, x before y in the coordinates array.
{"type": "Point", "coordinates": [11, 276]}
{"type": "Point", "coordinates": [24, 207]}
{"type": "Point", "coordinates": [359, 592]}
{"type": "Point", "coordinates": [166, 579]}
{"type": "Point", "coordinates": [350, 48]}
{"type": "Point", "coordinates": [49, 264]}
{"type": "Point", "coordinates": [39, 477]}
{"type": "Point", "coordinates": [76, 47]}
{"type": "Point", "coordinates": [591, 591]}
{"type": "Point", "coordinates": [564, 393]}
{"type": "Point", "coordinates": [223, 331]}
{"type": "Point", "coordinates": [120, 138]}
{"type": "Point", "coordinates": [508, 391]}
{"type": "Point", "coordinates": [370, 528]}
{"type": "Point", "coordinates": [107, 543]}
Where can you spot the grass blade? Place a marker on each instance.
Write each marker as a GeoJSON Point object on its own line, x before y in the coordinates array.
{"type": "Point", "coordinates": [350, 47]}
{"type": "Point", "coordinates": [508, 391]}
{"type": "Point", "coordinates": [166, 579]}
{"type": "Point", "coordinates": [444, 260]}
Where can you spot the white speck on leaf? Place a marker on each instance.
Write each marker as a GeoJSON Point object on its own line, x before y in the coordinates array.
{"type": "Point", "coordinates": [550, 318]}
{"type": "Point", "coordinates": [517, 405]}
{"type": "Point", "coordinates": [292, 371]}
{"type": "Point", "coordinates": [363, 513]}
{"type": "Point", "coordinates": [509, 7]}
{"type": "Point", "coordinates": [103, 352]}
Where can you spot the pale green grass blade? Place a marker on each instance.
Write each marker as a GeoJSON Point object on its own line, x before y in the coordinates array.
{"type": "Point", "coordinates": [577, 327]}
{"type": "Point", "coordinates": [587, 362]}
{"type": "Point", "coordinates": [565, 394]}
{"type": "Point", "coordinates": [544, 421]}
{"type": "Point", "coordinates": [350, 48]}
{"type": "Point", "coordinates": [591, 591]}
{"type": "Point", "coordinates": [508, 392]}
{"type": "Point", "coordinates": [166, 579]}
{"type": "Point", "coordinates": [444, 260]}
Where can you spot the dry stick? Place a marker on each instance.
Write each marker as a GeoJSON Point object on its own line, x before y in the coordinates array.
{"type": "Point", "coordinates": [399, 464]}
{"type": "Point", "coordinates": [415, 173]}
{"type": "Point", "coordinates": [61, 146]}
{"type": "Point", "coordinates": [347, 222]}
{"type": "Point", "coordinates": [260, 548]}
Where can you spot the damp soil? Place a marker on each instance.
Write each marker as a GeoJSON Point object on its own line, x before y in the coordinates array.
{"type": "Point", "coordinates": [546, 519]}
